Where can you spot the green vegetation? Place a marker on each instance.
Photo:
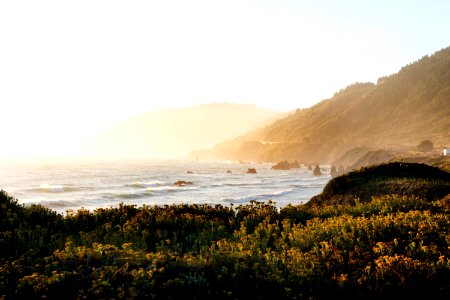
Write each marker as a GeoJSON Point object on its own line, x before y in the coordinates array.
{"type": "Point", "coordinates": [408, 179]}
{"type": "Point", "coordinates": [391, 247]}
{"type": "Point", "coordinates": [441, 162]}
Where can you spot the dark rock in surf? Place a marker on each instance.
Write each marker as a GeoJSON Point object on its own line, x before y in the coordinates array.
{"type": "Point", "coordinates": [295, 165]}
{"type": "Point", "coordinates": [182, 183]}
{"type": "Point", "coordinates": [285, 165]}
{"type": "Point", "coordinates": [282, 165]}
{"type": "Point", "coordinates": [333, 171]}
{"type": "Point", "coordinates": [317, 171]}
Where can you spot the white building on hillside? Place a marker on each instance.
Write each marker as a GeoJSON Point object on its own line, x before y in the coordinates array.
{"type": "Point", "coordinates": [446, 152]}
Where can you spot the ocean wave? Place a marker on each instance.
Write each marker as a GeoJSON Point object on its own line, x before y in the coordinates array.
{"type": "Point", "coordinates": [131, 195]}
{"type": "Point", "coordinates": [164, 188]}
{"type": "Point", "coordinates": [152, 191]}
{"type": "Point", "coordinates": [169, 189]}
{"type": "Point", "coordinates": [234, 184]}
{"type": "Point", "coordinates": [47, 188]}
{"type": "Point", "coordinates": [265, 196]}
{"type": "Point", "coordinates": [275, 182]}
{"type": "Point", "coordinates": [139, 184]}
{"type": "Point", "coordinates": [313, 183]}
{"type": "Point", "coordinates": [100, 185]}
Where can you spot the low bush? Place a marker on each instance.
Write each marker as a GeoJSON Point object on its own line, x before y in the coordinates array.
{"type": "Point", "coordinates": [393, 246]}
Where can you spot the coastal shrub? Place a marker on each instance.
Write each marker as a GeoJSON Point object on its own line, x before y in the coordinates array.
{"type": "Point", "coordinates": [410, 179]}
{"type": "Point", "coordinates": [393, 246]}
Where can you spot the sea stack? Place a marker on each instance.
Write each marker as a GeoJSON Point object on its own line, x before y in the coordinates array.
{"type": "Point", "coordinates": [251, 171]}
{"type": "Point", "coordinates": [317, 171]}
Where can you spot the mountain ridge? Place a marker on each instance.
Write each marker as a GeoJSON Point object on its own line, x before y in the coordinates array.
{"type": "Point", "coordinates": [173, 133]}
{"type": "Point", "coordinates": [396, 113]}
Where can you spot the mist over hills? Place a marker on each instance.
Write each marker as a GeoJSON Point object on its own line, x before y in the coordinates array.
{"type": "Point", "coordinates": [395, 114]}
{"type": "Point", "coordinates": [173, 133]}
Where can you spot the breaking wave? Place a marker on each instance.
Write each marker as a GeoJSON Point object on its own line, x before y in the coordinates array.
{"type": "Point", "coordinates": [47, 188]}
{"type": "Point", "coordinates": [256, 197]}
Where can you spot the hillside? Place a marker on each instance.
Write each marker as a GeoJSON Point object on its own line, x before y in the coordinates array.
{"type": "Point", "coordinates": [173, 133]}
{"type": "Point", "coordinates": [407, 179]}
{"type": "Point", "coordinates": [395, 114]}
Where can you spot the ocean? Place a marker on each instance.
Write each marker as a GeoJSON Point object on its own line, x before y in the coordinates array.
{"type": "Point", "coordinates": [63, 186]}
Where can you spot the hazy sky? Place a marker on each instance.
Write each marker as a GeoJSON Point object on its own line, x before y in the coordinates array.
{"type": "Point", "coordinates": [67, 67]}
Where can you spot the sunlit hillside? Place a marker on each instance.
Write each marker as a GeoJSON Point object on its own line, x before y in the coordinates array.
{"type": "Point", "coordinates": [173, 133]}
{"type": "Point", "coordinates": [396, 113]}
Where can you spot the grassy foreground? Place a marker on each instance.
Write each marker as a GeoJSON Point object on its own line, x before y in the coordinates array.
{"type": "Point", "coordinates": [391, 247]}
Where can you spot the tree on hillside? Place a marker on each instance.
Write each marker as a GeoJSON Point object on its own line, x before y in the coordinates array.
{"type": "Point", "coordinates": [425, 145]}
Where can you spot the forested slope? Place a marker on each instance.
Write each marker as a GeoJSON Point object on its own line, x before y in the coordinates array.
{"type": "Point", "coordinates": [398, 112]}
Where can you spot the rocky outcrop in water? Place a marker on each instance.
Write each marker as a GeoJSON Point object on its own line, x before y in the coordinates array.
{"type": "Point", "coordinates": [183, 183]}
{"type": "Point", "coordinates": [285, 165]}
{"type": "Point", "coordinates": [317, 171]}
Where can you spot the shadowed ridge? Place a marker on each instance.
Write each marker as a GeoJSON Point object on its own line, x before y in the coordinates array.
{"type": "Point", "coordinates": [394, 178]}
{"type": "Point", "coordinates": [394, 115]}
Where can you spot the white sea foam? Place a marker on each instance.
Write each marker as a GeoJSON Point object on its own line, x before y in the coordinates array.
{"type": "Point", "coordinates": [139, 184]}
{"type": "Point", "coordinates": [72, 186]}
{"type": "Point", "coordinates": [47, 188]}
{"type": "Point", "coordinates": [267, 196]}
